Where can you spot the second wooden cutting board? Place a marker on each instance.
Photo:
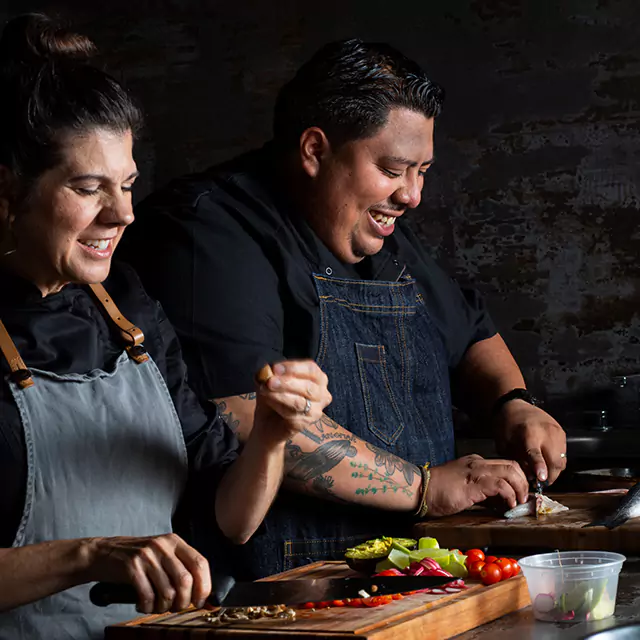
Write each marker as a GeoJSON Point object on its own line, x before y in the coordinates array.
{"type": "Point", "coordinates": [481, 528]}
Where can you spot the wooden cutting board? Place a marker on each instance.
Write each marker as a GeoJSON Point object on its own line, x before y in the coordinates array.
{"type": "Point", "coordinates": [421, 616]}
{"type": "Point", "coordinates": [481, 528]}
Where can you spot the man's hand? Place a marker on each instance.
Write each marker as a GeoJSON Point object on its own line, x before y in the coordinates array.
{"type": "Point", "coordinates": [458, 485]}
{"type": "Point", "coordinates": [292, 399]}
{"type": "Point", "coordinates": [533, 437]}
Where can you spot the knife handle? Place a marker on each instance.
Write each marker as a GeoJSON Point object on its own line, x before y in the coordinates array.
{"type": "Point", "coordinates": [103, 594]}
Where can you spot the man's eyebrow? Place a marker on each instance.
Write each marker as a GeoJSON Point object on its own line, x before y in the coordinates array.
{"type": "Point", "coordinates": [100, 178]}
{"type": "Point", "coordinates": [406, 161]}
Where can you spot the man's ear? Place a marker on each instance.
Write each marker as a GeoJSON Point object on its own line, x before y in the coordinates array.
{"type": "Point", "coordinates": [314, 147]}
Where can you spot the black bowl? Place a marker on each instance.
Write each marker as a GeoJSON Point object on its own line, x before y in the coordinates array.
{"type": "Point", "coordinates": [367, 566]}
{"type": "Point", "coordinates": [626, 632]}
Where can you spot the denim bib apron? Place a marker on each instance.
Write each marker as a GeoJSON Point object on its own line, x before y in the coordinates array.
{"type": "Point", "coordinates": [106, 457]}
{"type": "Point", "coordinates": [389, 377]}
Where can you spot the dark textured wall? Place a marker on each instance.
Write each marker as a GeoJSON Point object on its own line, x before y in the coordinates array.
{"type": "Point", "coordinates": [534, 196]}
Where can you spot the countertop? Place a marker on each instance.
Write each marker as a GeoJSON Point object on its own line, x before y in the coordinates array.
{"type": "Point", "coordinates": [522, 626]}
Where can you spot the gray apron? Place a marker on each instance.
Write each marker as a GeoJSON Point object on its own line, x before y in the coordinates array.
{"type": "Point", "coordinates": [106, 457]}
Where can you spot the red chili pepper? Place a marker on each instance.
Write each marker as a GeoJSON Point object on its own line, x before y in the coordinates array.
{"type": "Point", "coordinates": [390, 572]}
{"type": "Point", "coordinates": [397, 596]}
{"type": "Point", "coordinates": [377, 601]}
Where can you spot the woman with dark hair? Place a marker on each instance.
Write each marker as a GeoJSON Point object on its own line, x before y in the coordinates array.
{"type": "Point", "coordinates": [99, 432]}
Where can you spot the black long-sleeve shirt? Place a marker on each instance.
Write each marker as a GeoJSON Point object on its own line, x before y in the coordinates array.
{"type": "Point", "coordinates": [231, 260]}
{"type": "Point", "coordinates": [67, 333]}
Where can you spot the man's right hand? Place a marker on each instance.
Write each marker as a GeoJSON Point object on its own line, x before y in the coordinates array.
{"type": "Point", "coordinates": [459, 484]}
{"type": "Point", "coordinates": [167, 573]}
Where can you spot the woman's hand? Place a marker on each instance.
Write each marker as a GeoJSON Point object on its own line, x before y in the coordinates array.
{"type": "Point", "coordinates": [167, 573]}
{"type": "Point", "coordinates": [292, 398]}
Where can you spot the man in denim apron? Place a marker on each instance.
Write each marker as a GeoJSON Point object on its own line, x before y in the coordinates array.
{"type": "Point", "coordinates": [303, 248]}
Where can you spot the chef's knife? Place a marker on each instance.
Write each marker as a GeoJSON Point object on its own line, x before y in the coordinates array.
{"type": "Point", "coordinates": [228, 593]}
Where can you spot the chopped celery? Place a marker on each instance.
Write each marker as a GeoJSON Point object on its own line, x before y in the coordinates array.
{"type": "Point", "coordinates": [428, 543]}
{"type": "Point", "coordinates": [399, 559]}
{"type": "Point", "coordinates": [436, 554]}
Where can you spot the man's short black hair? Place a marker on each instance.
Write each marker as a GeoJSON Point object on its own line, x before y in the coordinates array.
{"type": "Point", "coordinates": [348, 88]}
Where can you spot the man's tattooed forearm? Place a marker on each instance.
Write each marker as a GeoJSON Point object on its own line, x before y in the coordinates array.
{"type": "Point", "coordinates": [378, 482]}
{"type": "Point", "coordinates": [324, 421]}
{"type": "Point", "coordinates": [247, 396]}
{"type": "Point", "coordinates": [305, 466]}
{"type": "Point", "coordinates": [390, 462]}
{"type": "Point", "coordinates": [314, 466]}
{"type": "Point", "coordinates": [316, 430]}
{"type": "Point", "coordinates": [232, 422]}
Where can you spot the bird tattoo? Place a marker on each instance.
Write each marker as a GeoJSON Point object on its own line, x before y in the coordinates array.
{"type": "Point", "coordinates": [305, 466]}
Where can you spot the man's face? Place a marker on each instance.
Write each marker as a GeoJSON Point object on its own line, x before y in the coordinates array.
{"type": "Point", "coordinates": [362, 187]}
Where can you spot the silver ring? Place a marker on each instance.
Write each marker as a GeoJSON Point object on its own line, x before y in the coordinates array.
{"type": "Point", "coordinates": [307, 407]}
{"type": "Point", "coordinates": [563, 455]}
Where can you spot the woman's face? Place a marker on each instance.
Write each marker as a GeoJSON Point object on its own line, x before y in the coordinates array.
{"type": "Point", "coordinates": [76, 213]}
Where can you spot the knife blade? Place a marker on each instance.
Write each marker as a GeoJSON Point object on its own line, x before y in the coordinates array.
{"type": "Point", "coordinates": [539, 486]}
{"type": "Point", "coordinates": [228, 593]}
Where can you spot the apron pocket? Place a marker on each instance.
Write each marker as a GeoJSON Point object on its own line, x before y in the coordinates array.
{"type": "Point", "coordinates": [383, 415]}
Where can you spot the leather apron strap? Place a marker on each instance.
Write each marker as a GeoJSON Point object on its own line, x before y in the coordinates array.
{"type": "Point", "coordinates": [132, 335]}
{"type": "Point", "coordinates": [19, 372]}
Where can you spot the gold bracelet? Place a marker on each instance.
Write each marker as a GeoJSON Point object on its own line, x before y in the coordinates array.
{"type": "Point", "coordinates": [423, 508]}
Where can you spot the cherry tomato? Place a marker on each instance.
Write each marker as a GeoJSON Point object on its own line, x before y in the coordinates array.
{"type": "Point", "coordinates": [397, 596]}
{"type": "Point", "coordinates": [516, 566]}
{"type": "Point", "coordinates": [491, 573]}
{"type": "Point", "coordinates": [506, 566]}
{"type": "Point", "coordinates": [324, 604]}
{"type": "Point", "coordinates": [474, 555]}
{"type": "Point", "coordinates": [355, 602]}
{"type": "Point", "coordinates": [490, 559]}
{"type": "Point", "coordinates": [475, 569]}
{"type": "Point", "coordinates": [338, 603]}
{"type": "Point", "coordinates": [309, 605]}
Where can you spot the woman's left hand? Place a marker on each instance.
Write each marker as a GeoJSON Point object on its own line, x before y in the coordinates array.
{"type": "Point", "coordinates": [293, 398]}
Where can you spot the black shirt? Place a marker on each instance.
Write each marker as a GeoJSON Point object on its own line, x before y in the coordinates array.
{"type": "Point", "coordinates": [67, 333]}
{"type": "Point", "coordinates": [231, 262]}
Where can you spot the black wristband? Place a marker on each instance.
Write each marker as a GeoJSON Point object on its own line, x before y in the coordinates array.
{"type": "Point", "coordinates": [514, 394]}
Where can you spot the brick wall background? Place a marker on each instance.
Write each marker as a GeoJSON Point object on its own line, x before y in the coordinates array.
{"type": "Point", "coordinates": [534, 197]}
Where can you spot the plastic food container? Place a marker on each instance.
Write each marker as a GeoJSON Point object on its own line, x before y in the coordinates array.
{"type": "Point", "coordinates": [572, 585]}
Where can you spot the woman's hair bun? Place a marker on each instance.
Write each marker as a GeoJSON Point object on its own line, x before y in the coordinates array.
{"type": "Point", "coordinates": [35, 38]}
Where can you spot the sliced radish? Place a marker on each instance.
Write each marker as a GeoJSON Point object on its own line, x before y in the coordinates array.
{"type": "Point", "coordinates": [544, 603]}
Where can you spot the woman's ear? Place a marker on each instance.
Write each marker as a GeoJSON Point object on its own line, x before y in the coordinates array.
{"type": "Point", "coordinates": [314, 148]}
